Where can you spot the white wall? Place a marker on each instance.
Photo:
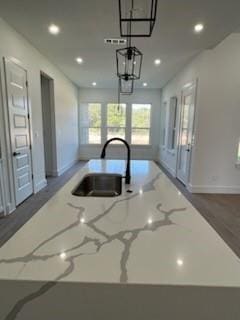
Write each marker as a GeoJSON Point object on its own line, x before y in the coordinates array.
{"type": "Point", "coordinates": [217, 124]}
{"type": "Point", "coordinates": [152, 96]}
{"type": "Point", "coordinates": [174, 88]}
{"type": "Point", "coordinates": [14, 46]}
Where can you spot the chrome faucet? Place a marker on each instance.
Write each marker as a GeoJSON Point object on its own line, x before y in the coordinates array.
{"type": "Point", "coordinates": [128, 175]}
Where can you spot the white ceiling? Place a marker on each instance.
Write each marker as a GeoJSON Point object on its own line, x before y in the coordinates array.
{"type": "Point", "coordinates": [85, 23]}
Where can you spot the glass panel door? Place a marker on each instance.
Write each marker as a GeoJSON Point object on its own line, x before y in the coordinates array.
{"type": "Point", "coordinates": [186, 134]}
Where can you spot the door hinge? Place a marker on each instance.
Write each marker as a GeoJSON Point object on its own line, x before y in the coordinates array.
{"type": "Point", "coordinates": [27, 84]}
{"type": "Point", "coordinates": [28, 116]}
{"type": "Point", "coordinates": [32, 176]}
{"type": "Point", "coordinates": [30, 147]}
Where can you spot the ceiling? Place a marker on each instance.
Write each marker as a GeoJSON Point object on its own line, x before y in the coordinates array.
{"type": "Point", "coordinates": [85, 23]}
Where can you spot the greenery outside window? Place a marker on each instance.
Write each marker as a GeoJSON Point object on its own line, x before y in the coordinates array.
{"type": "Point", "coordinates": [100, 122]}
{"type": "Point", "coordinates": [116, 121]}
{"type": "Point", "coordinates": [141, 123]}
{"type": "Point", "coordinates": [90, 123]}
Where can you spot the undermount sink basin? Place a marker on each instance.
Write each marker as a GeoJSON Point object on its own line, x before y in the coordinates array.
{"type": "Point", "coordinates": [99, 185]}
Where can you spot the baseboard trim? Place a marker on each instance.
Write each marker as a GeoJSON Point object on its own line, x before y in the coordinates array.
{"type": "Point", "coordinates": [65, 168]}
{"type": "Point", "coordinates": [10, 208]}
{"type": "Point", "coordinates": [214, 189]}
{"type": "Point", "coordinates": [51, 173]}
{"type": "Point", "coordinates": [40, 185]}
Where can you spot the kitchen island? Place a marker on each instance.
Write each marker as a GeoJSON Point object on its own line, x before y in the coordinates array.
{"type": "Point", "coordinates": [147, 254]}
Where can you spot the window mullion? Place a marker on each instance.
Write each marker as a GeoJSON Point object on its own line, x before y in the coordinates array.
{"type": "Point", "coordinates": [104, 123]}
{"type": "Point", "coordinates": [128, 129]}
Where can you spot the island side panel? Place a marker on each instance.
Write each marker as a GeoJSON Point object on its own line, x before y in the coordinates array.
{"type": "Point", "coordinates": [27, 300]}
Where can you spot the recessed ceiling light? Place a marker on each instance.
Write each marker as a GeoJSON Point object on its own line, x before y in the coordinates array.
{"type": "Point", "coordinates": [180, 262]}
{"type": "Point", "coordinates": [157, 62]}
{"type": "Point", "coordinates": [198, 27]}
{"type": "Point", "coordinates": [145, 84]}
{"type": "Point", "coordinates": [94, 84]}
{"type": "Point", "coordinates": [79, 60]}
{"type": "Point", "coordinates": [54, 29]}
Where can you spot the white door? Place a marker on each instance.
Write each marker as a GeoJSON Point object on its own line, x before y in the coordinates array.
{"type": "Point", "coordinates": [17, 96]}
{"type": "Point", "coordinates": [2, 206]}
{"type": "Point", "coordinates": [186, 134]}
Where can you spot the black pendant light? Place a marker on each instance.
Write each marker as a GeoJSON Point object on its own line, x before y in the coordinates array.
{"type": "Point", "coordinates": [126, 86]}
{"type": "Point", "coordinates": [129, 63]}
{"type": "Point", "coordinates": [137, 19]}
{"type": "Point", "coordinates": [141, 14]}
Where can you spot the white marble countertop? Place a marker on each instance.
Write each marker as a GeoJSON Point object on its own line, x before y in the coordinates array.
{"type": "Point", "coordinates": [150, 236]}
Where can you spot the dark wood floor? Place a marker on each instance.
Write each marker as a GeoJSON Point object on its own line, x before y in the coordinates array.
{"type": "Point", "coordinates": [221, 211]}
{"type": "Point", "coordinates": [12, 223]}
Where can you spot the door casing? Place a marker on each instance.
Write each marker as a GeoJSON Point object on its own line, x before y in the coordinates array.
{"type": "Point", "coordinates": [49, 125]}
{"type": "Point", "coordinates": [6, 64]}
{"type": "Point", "coordinates": [189, 88]}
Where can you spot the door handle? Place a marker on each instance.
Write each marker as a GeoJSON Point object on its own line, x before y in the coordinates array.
{"type": "Point", "coordinates": [188, 148]}
{"type": "Point", "coordinates": [16, 154]}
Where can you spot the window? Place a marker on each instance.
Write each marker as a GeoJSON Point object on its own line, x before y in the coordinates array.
{"type": "Point", "coordinates": [238, 154]}
{"type": "Point", "coordinates": [163, 124]}
{"type": "Point", "coordinates": [116, 121]}
{"type": "Point", "coordinates": [90, 123]}
{"type": "Point", "coordinates": [172, 123]}
{"type": "Point", "coordinates": [141, 122]}
{"type": "Point", "coordinates": [100, 122]}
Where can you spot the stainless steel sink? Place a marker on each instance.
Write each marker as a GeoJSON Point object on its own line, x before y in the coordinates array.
{"type": "Point", "coordinates": [99, 185]}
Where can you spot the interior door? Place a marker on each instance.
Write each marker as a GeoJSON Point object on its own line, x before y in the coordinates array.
{"type": "Point", "coordinates": [17, 96]}
{"type": "Point", "coordinates": [186, 134]}
{"type": "Point", "coordinates": [2, 209]}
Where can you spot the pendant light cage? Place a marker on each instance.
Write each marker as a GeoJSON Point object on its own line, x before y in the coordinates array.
{"type": "Point", "coordinates": [126, 87]}
{"type": "Point", "coordinates": [129, 63]}
{"type": "Point", "coordinates": [140, 14]}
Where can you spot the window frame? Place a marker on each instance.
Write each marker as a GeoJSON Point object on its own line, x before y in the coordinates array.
{"type": "Point", "coordinates": [163, 121]}
{"type": "Point", "coordinates": [106, 122]}
{"type": "Point", "coordinates": [128, 124]}
{"type": "Point", "coordinates": [84, 127]}
{"type": "Point", "coordinates": [238, 153]}
{"type": "Point", "coordinates": [150, 126]}
{"type": "Point", "coordinates": [172, 124]}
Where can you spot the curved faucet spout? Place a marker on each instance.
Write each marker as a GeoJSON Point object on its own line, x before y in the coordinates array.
{"type": "Point", "coordinates": [128, 175]}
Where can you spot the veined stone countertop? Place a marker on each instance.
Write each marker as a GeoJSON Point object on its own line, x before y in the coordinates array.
{"type": "Point", "coordinates": [150, 236]}
{"type": "Point", "coordinates": [144, 255]}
